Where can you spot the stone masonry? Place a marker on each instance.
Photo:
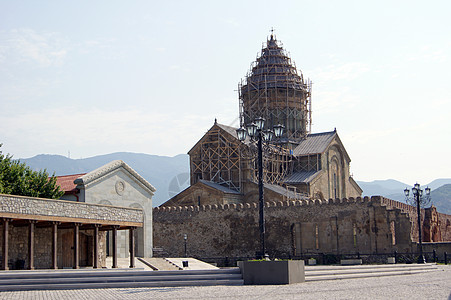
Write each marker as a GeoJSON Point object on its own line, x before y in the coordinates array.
{"type": "Point", "coordinates": [293, 228]}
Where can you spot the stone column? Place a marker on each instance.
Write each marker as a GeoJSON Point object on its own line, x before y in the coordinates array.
{"type": "Point", "coordinates": [5, 245]}
{"type": "Point", "coordinates": [114, 242]}
{"type": "Point", "coordinates": [76, 245]}
{"type": "Point", "coordinates": [31, 227]}
{"type": "Point", "coordinates": [55, 245]}
{"type": "Point", "coordinates": [132, 246]}
{"type": "Point", "coordinates": [96, 246]}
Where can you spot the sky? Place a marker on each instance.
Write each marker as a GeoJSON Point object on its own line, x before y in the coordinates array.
{"type": "Point", "coordinates": [85, 78]}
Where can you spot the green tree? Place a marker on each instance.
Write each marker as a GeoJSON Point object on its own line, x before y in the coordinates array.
{"type": "Point", "coordinates": [17, 178]}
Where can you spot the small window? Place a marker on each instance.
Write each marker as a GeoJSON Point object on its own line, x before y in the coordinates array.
{"type": "Point", "coordinates": [316, 237]}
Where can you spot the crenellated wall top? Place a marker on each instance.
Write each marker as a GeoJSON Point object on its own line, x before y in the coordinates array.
{"type": "Point", "coordinates": [271, 205]}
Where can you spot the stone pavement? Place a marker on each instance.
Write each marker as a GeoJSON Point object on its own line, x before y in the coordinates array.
{"type": "Point", "coordinates": [432, 285]}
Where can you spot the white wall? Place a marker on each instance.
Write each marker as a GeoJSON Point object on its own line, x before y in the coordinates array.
{"type": "Point", "coordinates": [120, 188]}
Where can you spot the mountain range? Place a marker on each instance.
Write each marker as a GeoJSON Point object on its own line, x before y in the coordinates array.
{"type": "Point", "coordinates": [393, 189]}
{"type": "Point", "coordinates": [170, 175]}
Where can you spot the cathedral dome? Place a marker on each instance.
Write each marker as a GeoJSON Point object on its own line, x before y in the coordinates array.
{"type": "Point", "coordinates": [273, 89]}
{"type": "Point", "coordinates": [274, 69]}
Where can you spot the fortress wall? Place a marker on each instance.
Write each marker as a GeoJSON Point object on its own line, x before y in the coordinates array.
{"type": "Point", "coordinates": [292, 228]}
{"type": "Point", "coordinates": [445, 226]}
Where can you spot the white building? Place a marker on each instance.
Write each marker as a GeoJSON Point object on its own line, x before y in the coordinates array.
{"type": "Point", "coordinates": [115, 183]}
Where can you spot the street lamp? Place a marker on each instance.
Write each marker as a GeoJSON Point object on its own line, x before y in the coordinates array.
{"type": "Point", "coordinates": [185, 237]}
{"type": "Point", "coordinates": [256, 133]}
{"type": "Point", "coordinates": [418, 200]}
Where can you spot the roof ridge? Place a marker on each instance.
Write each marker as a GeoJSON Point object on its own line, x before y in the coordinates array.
{"type": "Point", "coordinates": [321, 133]}
{"type": "Point", "coordinates": [109, 167]}
{"type": "Point", "coordinates": [223, 125]}
{"type": "Point", "coordinates": [80, 174]}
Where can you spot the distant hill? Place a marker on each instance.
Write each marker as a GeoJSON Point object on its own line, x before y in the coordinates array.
{"type": "Point", "coordinates": [169, 175]}
{"type": "Point", "coordinates": [440, 194]}
{"type": "Point", "coordinates": [441, 198]}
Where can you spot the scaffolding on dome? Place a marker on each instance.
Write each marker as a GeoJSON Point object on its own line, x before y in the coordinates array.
{"type": "Point", "coordinates": [274, 90]}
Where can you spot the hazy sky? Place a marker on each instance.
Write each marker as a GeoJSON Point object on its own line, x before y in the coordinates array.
{"type": "Point", "coordinates": [95, 77]}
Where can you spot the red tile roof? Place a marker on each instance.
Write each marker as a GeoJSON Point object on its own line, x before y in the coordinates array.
{"type": "Point", "coordinates": [66, 182]}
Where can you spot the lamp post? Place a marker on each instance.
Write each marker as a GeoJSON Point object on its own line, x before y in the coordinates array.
{"type": "Point", "coordinates": [185, 237]}
{"type": "Point", "coordinates": [418, 200]}
{"type": "Point", "coordinates": [256, 133]}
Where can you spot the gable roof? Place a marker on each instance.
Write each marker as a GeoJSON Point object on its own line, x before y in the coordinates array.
{"type": "Point", "coordinates": [66, 182]}
{"type": "Point", "coordinates": [219, 187]}
{"type": "Point", "coordinates": [284, 191]}
{"type": "Point", "coordinates": [110, 167]}
{"type": "Point", "coordinates": [301, 177]}
{"type": "Point", "coordinates": [314, 143]}
{"type": "Point", "coordinates": [231, 131]}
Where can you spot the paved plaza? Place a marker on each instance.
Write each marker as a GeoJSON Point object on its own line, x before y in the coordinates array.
{"type": "Point", "coordinates": [431, 285]}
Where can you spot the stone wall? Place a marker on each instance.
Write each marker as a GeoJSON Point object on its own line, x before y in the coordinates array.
{"type": "Point", "coordinates": [445, 226]}
{"type": "Point", "coordinates": [440, 249]}
{"type": "Point", "coordinates": [48, 209]}
{"type": "Point", "coordinates": [196, 193]}
{"type": "Point", "coordinates": [443, 222]}
{"type": "Point", "coordinates": [360, 225]}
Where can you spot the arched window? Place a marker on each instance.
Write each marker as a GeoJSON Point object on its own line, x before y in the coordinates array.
{"type": "Point", "coordinates": [335, 185]}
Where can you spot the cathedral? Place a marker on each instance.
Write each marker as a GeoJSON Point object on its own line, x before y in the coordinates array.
{"type": "Point", "coordinates": [313, 207]}
{"type": "Point", "coordinates": [298, 165]}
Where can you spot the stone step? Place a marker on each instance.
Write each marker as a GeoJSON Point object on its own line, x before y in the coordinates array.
{"type": "Point", "coordinates": [107, 279]}
{"type": "Point", "coordinates": [74, 279]}
{"type": "Point", "coordinates": [159, 264]}
{"type": "Point", "coordinates": [108, 272]}
{"type": "Point", "coordinates": [386, 266]}
{"type": "Point", "coordinates": [174, 283]}
{"type": "Point", "coordinates": [364, 275]}
{"type": "Point", "coordinates": [364, 270]}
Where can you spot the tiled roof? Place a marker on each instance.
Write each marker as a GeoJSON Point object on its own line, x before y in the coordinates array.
{"type": "Point", "coordinates": [314, 143]}
{"type": "Point", "coordinates": [67, 182]}
{"type": "Point", "coordinates": [301, 177]}
{"type": "Point", "coordinates": [219, 187]}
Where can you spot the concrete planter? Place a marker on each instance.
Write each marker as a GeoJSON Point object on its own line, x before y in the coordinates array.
{"type": "Point", "coordinates": [350, 262]}
{"type": "Point", "coordinates": [272, 272]}
{"type": "Point", "coordinates": [311, 262]}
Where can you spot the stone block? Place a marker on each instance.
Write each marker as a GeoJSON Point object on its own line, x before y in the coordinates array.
{"type": "Point", "coordinates": [350, 262]}
{"type": "Point", "coordinates": [272, 272]}
{"type": "Point", "coordinates": [391, 260]}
